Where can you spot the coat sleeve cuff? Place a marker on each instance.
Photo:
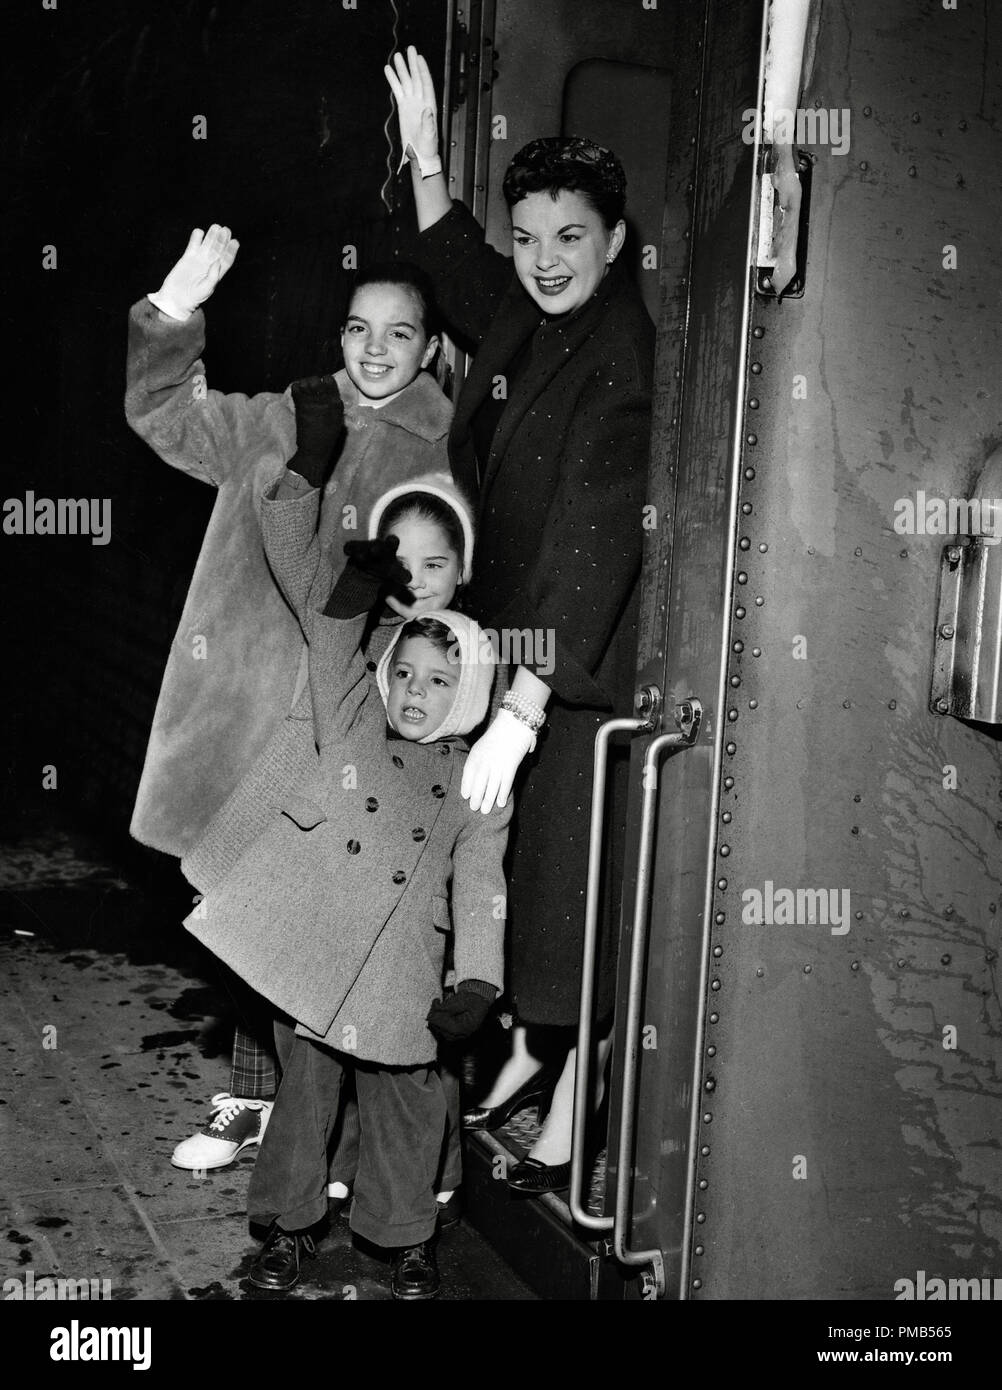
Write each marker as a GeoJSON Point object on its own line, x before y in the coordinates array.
{"type": "Point", "coordinates": [566, 676]}
{"type": "Point", "coordinates": [354, 593]}
{"type": "Point", "coordinates": [481, 987]}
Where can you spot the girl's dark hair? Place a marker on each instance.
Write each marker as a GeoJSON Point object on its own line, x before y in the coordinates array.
{"type": "Point", "coordinates": [426, 507]}
{"type": "Point", "coordinates": [407, 276]}
{"type": "Point", "coordinates": [572, 164]}
{"type": "Point", "coordinates": [442, 638]}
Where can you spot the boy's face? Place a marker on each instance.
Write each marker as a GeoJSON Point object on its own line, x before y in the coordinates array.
{"type": "Point", "coordinates": [383, 342]}
{"type": "Point", "coordinates": [423, 684]}
{"type": "Point", "coordinates": [425, 550]}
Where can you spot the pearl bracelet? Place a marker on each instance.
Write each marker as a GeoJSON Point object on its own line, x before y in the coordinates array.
{"type": "Point", "coordinates": [530, 714]}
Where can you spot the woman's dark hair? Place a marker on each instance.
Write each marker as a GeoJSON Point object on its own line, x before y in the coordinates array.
{"type": "Point", "coordinates": [568, 163]}
{"type": "Point", "coordinates": [407, 276]}
{"type": "Point", "coordinates": [442, 638]}
{"type": "Point", "coordinates": [425, 506]}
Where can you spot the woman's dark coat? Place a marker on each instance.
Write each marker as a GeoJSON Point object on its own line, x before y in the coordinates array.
{"type": "Point", "coordinates": [561, 500]}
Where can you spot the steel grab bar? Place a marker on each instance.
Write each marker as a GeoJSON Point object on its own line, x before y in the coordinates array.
{"type": "Point", "coordinates": [582, 1103]}
{"type": "Point", "coordinates": [688, 716]}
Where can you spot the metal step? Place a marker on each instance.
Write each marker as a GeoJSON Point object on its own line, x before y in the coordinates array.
{"type": "Point", "coordinates": [535, 1235]}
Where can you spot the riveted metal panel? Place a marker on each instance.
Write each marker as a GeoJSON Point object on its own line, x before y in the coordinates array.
{"type": "Point", "coordinates": [684, 613]}
{"type": "Point", "coordinates": [842, 1077]}
{"type": "Point", "coordinates": [855, 1137]}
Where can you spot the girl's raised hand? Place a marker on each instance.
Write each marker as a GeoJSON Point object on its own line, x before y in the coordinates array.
{"type": "Point", "coordinates": [207, 258]}
{"type": "Point", "coordinates": [414, 93]}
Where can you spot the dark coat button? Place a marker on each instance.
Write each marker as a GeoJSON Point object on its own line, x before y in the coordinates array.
{"type": "Point", "coordinates": [370, 665]}
{"type": "Point", "coordinates": [438, 790]}
{"type": "Point", "coordinates": [399, 876]}
{"type": "Point", "coordinates": [443, 748]}
{"type": "Point", "coordinates": [353, 846]}
{"type": "Point", "coordinates": [371, 804]}
{"type": "Point", "coordinates": [397, 762]}
{"type": "Point", "coordinates": [418, 834]}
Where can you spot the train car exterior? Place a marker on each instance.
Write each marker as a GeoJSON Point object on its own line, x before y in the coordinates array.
{"type": "Point", "coordinates": [808, 1039]}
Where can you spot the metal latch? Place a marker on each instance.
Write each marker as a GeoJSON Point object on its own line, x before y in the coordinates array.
{"type": "Point", "coordinates": [774, 235]}
{"type": "Point", "coordinates": [967, 660]}
{"type": "Point", "coordinates": [688, 717]}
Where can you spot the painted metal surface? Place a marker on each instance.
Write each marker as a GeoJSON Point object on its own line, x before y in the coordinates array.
{"type": "Point", "coordinates": [705, 249]}
{"type": "Point", "coordinates": [843, 1075]}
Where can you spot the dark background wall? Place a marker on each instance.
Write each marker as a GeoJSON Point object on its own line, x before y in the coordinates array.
{"type": "Point", "coordinates": [99, 161]}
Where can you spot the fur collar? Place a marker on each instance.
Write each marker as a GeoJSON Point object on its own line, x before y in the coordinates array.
{"type": "Point", "coordinates": [421, 408]}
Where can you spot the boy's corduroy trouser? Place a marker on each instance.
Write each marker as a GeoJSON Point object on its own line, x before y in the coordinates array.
{"type": "Point", "coordinates": [402, 1117]}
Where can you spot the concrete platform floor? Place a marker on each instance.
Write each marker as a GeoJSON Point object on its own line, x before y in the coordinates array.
{"type": "Point", "coordinates": [114, 1034]}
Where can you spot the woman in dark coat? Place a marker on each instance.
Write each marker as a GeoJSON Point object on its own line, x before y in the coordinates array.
{"type": "Point", "coordinates": [551, 433]}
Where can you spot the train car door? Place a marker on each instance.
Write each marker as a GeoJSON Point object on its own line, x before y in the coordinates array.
{"type": "Point", "coordinates": [518, 69]}
{"type": "Point", "coordinates": [808, 1047]}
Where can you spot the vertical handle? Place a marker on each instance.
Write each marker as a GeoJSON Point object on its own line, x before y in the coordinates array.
{"type": "Point", "coordinates": [688, 717]}
{"type": "Point", "coordinates": [582, 1104]}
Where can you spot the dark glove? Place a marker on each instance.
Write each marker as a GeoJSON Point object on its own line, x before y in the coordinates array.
{"type": "Point", "coordinates": [378, 560]}
{"type": "Point", "coordinates": [319, 427]}
{"type": "Point", "coordinates": [372, 566]}
{"type": "Point", "coordinates": [462, 1013]}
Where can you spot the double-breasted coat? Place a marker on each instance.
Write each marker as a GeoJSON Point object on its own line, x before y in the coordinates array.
{"type": "Point", "coordinates": [338, 912]}
{"type": "Point", "coordinates": [561, 495]}
{"type": "Point", "coordinates": [238, 654]}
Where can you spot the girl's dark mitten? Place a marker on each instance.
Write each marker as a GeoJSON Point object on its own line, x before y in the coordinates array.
{"type": "Point", "coordinates": [319, 427]}
{"type": "Point", "coordinates": [372, 566]}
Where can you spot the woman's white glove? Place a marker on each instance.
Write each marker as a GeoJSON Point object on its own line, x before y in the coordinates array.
{"type": "Point", "coordinates": [414, 92]}
{"type": "Point", "coordinates": [207, 258]}
{"type": "Point", "coordinates": [493, 761]}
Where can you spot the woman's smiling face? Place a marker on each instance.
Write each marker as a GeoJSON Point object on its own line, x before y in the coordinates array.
{"type": "Point", "coordinates": [562, 249]}
{"type": "Point", "coordinates": [425, 550]}
{"type": "Point", "coordinates": [422, 687]}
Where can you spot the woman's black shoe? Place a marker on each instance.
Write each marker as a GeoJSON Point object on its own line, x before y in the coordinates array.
{"type": "Point", "coordinates": [415, 1272]}
{"type": "Point", "coordinates": [530, 1176]}
{"type": "Point", "coordinates": [540, 1086]}
{"type": "Point", "coordinates": [277, 1266]}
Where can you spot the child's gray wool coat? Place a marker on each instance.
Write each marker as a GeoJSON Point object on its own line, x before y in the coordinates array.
{"type": "Point", "coordinates": [338, 913]}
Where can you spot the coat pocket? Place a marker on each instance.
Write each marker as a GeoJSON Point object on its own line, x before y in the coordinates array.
{"type": "Point", "coordinates": [432, 931]}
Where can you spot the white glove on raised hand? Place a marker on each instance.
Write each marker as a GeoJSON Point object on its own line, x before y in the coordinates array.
{"type": "Point", "coordinates": [493, 761]}
{"type": "Point", "coordinates": [207, 258]}
{"type": "Point", "coordinates": [414, 92]}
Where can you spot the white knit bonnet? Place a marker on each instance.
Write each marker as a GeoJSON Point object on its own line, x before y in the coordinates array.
{"type": "Point", "coordinates": [476, 674]}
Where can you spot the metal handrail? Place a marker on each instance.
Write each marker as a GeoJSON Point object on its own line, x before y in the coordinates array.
{"type": "Point", "coordinates": [688, 716]}
{"type": "Point", "coordinates": [620, 1237]}
{"type": "Point", "coordinates": [582, 1103]}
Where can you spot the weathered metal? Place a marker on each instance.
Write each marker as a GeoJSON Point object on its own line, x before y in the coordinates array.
{"type": "Point", "coordinates": [822, 1096]}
